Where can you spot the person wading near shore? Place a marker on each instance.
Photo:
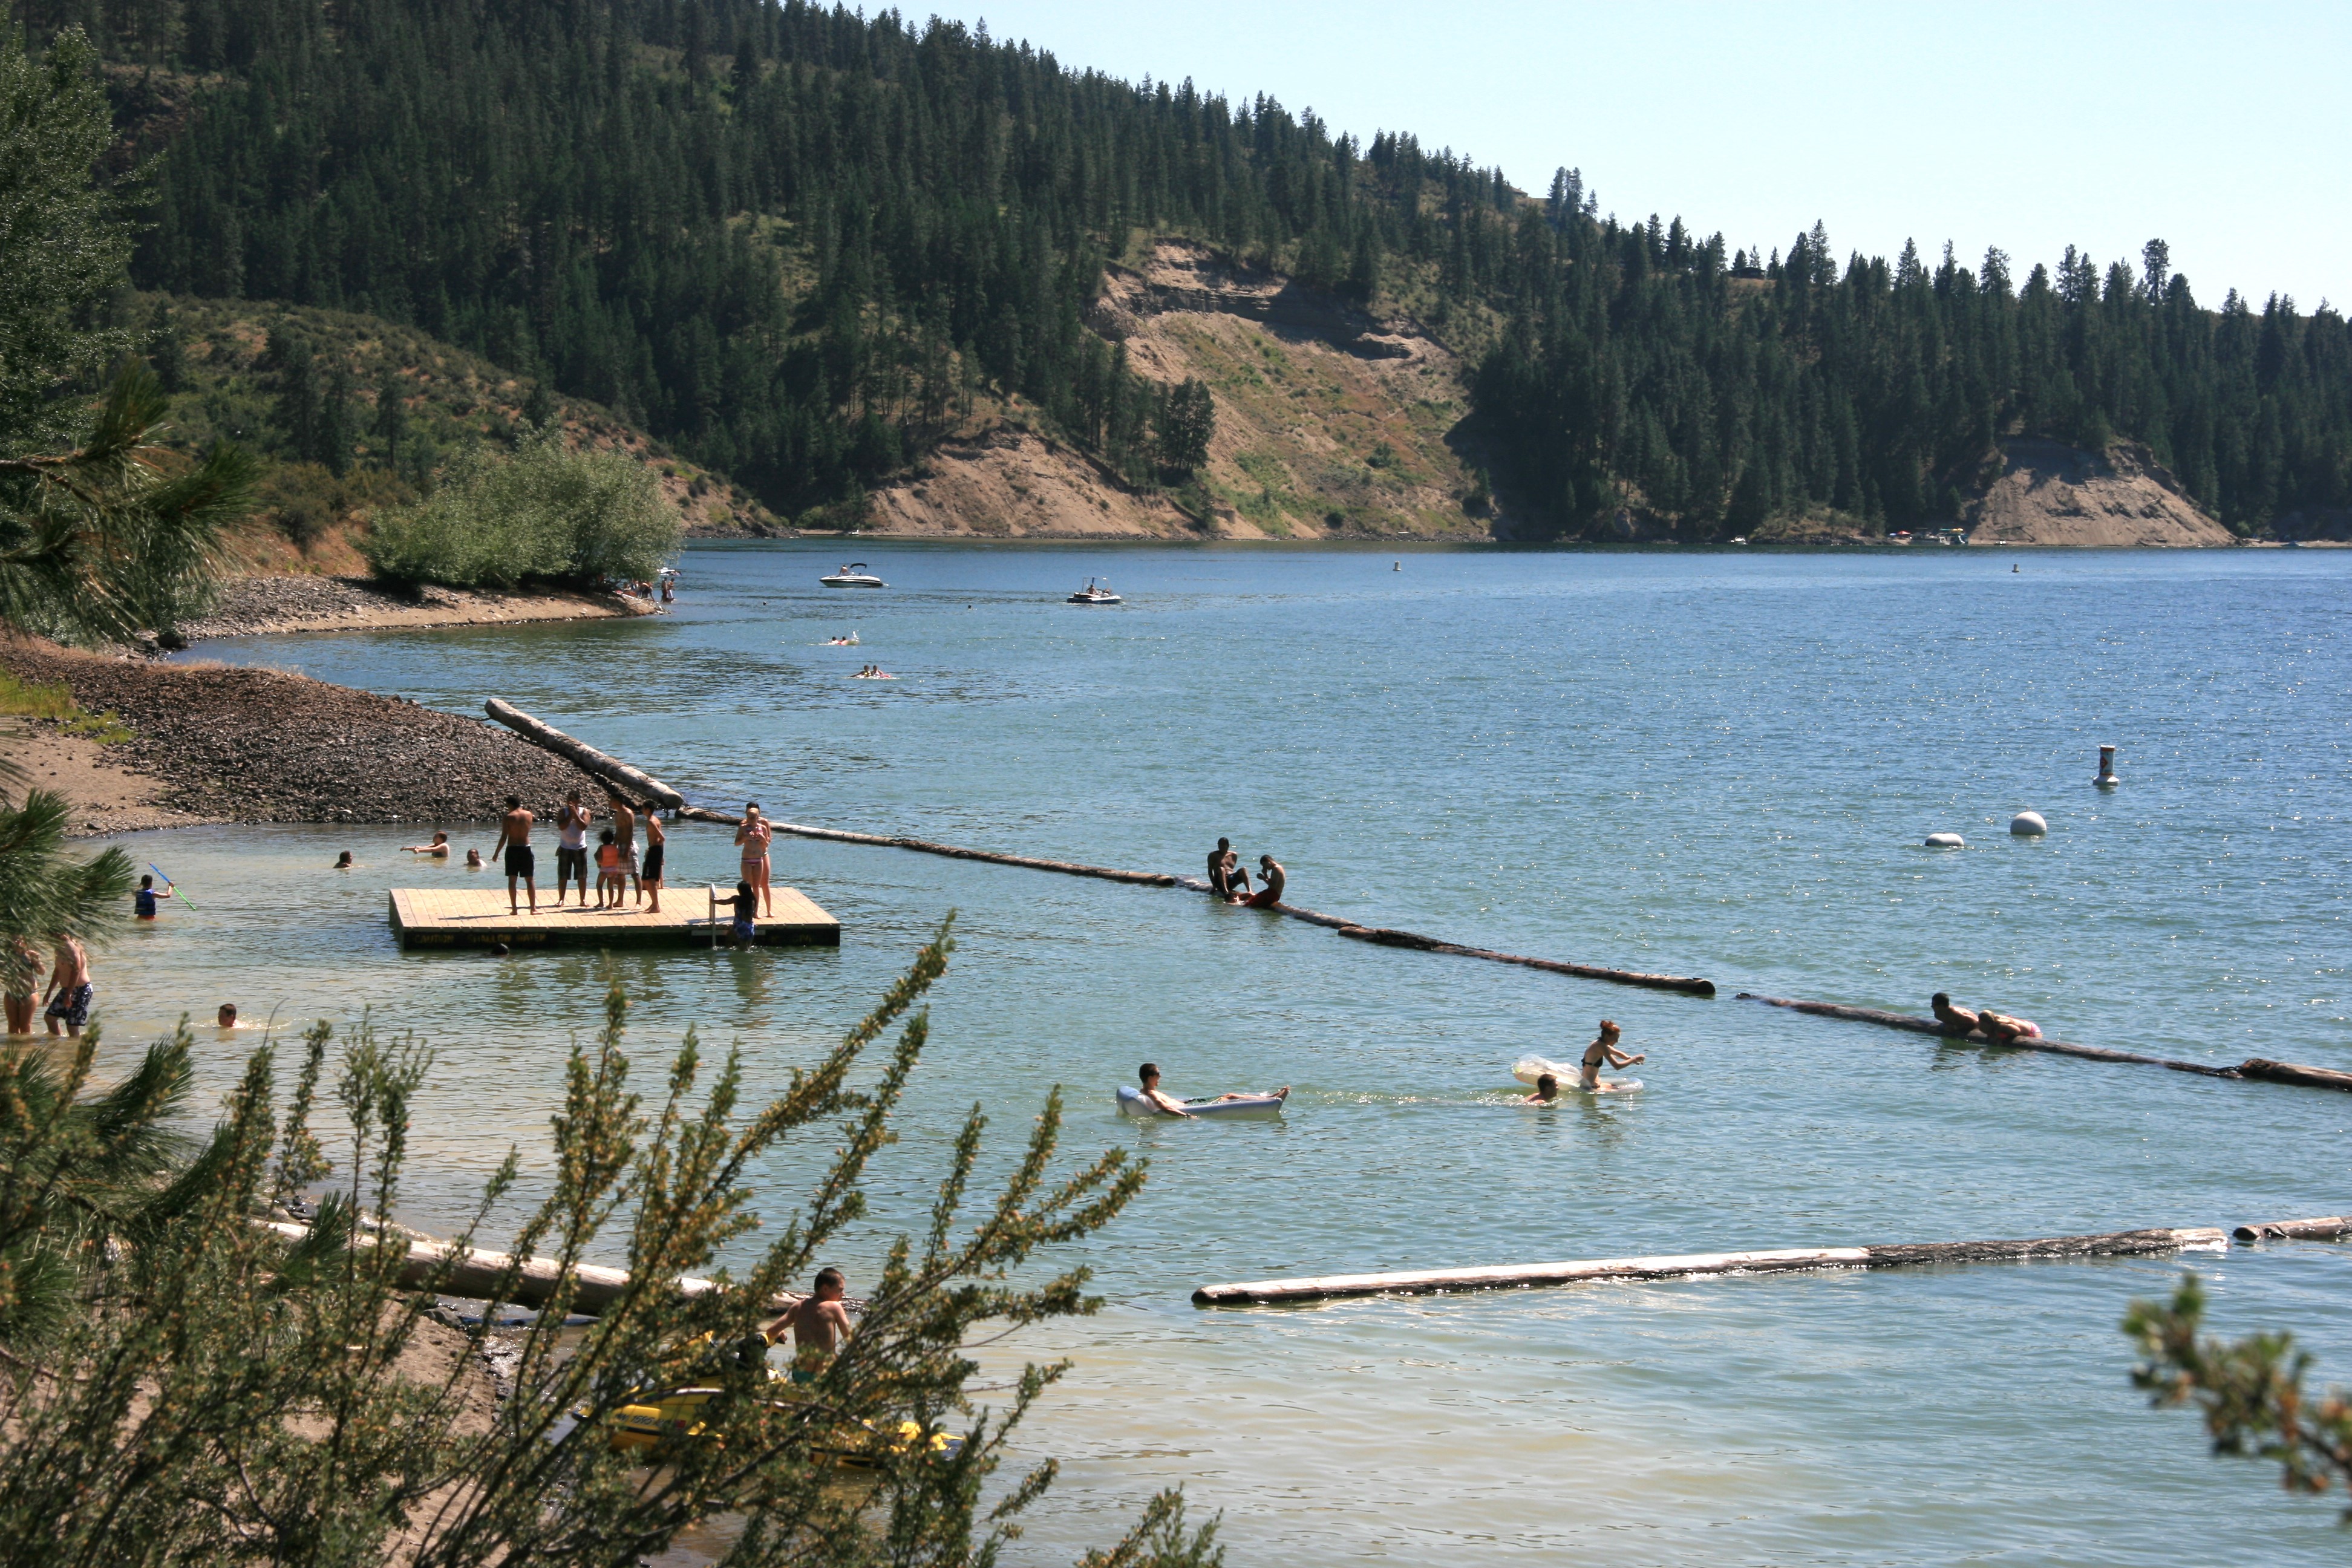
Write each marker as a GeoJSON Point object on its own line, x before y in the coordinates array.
{"type": "Point", "coordinates": [514, 843]}
{"type": "Point", "coordinates": [754, 836]}
{"type": "Point", "coordinates": [571, 820]}
{"type": "Point", "coordinates": [818, 1321]}
{"type": "Point", "coordinates": [69, 989]}
{"type": "Point", "coordinates": [656, 843]}
{"type": "Point", "coordinates": [24, 961]}
{"type": "Point", "coordinates": [624, 831]}
{"type": "Point", "coordinates": [439, 849]}
{"type": "Point", "coordinates": [1601, 1051]}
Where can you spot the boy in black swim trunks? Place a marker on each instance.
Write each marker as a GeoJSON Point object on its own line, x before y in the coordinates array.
{"type": "Point", "coordinates": [514, 841]}
{"type": "Point", "coordinates": [650, 878]}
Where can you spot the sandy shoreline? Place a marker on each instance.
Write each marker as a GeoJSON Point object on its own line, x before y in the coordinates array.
{"type": "Point", "coordinates": [260, 606]}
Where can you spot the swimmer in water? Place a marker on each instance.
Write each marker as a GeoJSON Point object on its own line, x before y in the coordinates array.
{"type": "Point", "coordinates": [473, 860]}
{"type": "Point", "coordinates": [1955, 1021]}
{"type": "Point", "coordinates": [2003, 1030]}
{"type": "Point", "coordinates": [343, 861]}
{"type": "Point", "coordinates": [1547, 1090]}
{"type": "Point", "coordinates": [1603, 1051]}
{"type": "Point", "coordinates": [439, 849]}
{"type": "Point", "coordinates": [226, 1018]}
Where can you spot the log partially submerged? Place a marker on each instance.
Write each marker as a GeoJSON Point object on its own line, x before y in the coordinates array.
{"type": "Point", "coordinates": [2328, 1227]}
{"type": "Point", "coordinates": [534, 1282]}
{"type": "Point", "coordinates": [2287, 1072]}
{"type": "Point", "coordinates": [1929, 1026]}
{"type": "Point", "coordinates": [642, 785]}
{"type": "Point", "coordinates": [954, 852]}
{"type": "Point", "coordinates": [1512, 1276]}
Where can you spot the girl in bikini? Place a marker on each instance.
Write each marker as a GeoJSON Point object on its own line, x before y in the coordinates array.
{"type": "Point", "coordinates": [1603, 1052]}
{"type": "Point", "coordinates": [754, 836]}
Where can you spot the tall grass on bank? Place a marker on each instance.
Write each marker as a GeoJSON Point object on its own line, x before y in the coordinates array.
{"type": "Point", "coordinates": [539, 514]}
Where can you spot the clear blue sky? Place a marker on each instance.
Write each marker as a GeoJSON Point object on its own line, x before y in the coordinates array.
{"type": "Point", "coordinates": [2225, 130]}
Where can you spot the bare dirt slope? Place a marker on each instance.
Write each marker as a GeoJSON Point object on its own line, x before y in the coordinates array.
{"type": "Point", "coordinates": [1330, 423]}
{"type": "Point", "coordinates": [2048, 493]}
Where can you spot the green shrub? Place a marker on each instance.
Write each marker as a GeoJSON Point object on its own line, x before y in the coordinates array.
{"type": "Point", "coordinates": [540, 514]}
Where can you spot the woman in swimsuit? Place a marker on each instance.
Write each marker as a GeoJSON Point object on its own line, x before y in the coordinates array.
{"type": "Point", "coordinates": [2003, 1030]}
{"type": "Point", "coordinates": [754, 836]}
{"type": "Point", "coordinates": [1603, 1052]}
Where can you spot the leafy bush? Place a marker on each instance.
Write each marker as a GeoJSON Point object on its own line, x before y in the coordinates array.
{"type": "Point", "coordinates": [541, 513]}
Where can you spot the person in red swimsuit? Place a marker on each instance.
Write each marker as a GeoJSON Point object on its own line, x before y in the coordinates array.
{"type": "Point", "coordinates": [1270, 879]}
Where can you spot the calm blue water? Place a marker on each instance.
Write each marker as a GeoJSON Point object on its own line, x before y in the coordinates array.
{"type": "Point", "coordinates": [1719, 765]}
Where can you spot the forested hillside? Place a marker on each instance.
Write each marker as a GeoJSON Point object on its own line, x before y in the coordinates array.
{"type": "Point", "coordinates": [801, 245]}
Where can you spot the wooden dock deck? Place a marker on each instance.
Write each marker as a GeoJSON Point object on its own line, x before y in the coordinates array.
{"type": "Point", "coordinates": [478, 917]}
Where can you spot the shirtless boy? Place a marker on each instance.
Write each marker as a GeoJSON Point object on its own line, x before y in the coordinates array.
{"type": "Point", "coordinates": [1168, 1103]}
{"type": "Point", "coordinates": [69, 989]}
{"type": "Point", "coordinates": [1547, 1091]}
{"type": "Point", "coordinates": [1271, 877]}
{"type": "Point", "coordinates": [439, 849]}
{"type": "Point", "coordinates": [650, 878]}
{"type": "Point", "coordinates": [1955, 1020]}
{"type": "Point", "coordinates": [624, 830]}
{"type": "Point", "coordinates": [514, 843]}
{"type": "Point", "coordinates": [1220, 862]}
{"type": "Point", "coordinates": [571, 845]}
{"type": "Point", "coordinates": [818, 1321]}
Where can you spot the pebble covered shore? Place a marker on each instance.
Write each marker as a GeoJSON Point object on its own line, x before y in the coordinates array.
{"type": "Point", "coordinates": [252, 606]}
{"type": "Point", "coordinates": [260, 745]}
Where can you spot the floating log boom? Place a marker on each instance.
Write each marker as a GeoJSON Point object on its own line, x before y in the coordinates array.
{"type": "Point", "coordinates": [1518, 1276]}
{"type": "Point", "coordinates": [2287, 1072]}
{"type": "Point", "coordinates": [534, 1283]}
{"type": "Point", "coordinates": [640, 786]}
{"type": "Point", "coordinates": [1929, 1026]}
{"type": "Point", "coordinates": [2328, 1228]}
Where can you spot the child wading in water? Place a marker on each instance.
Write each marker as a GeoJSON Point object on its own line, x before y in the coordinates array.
{"type": "Point", "coordinates": [143, 902]}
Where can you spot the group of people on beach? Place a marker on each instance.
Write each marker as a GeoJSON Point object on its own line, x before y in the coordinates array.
{"type": "Point", "coordinates": [618, 867]}
{"type": "Point", "coordinates": [1229, 879]}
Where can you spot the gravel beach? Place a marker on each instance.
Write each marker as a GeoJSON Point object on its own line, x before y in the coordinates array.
{"type": "Point", "coordinates": [260, 745]}
{"type": "Point", "coordinates": [251, 607]}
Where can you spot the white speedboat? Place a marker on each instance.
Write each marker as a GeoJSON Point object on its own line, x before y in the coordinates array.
{"type": "Point", "coordinates": [854, 575]}
{"type": "Point", "coordinates": [1096, 592]}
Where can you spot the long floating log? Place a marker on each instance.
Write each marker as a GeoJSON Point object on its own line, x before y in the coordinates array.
{"type": "Point", "coordinates": [2328, 1227]}
{"type": "Point", "coordinates": [594, 1286]}
{"type": "Point", "coordinates": [1919, 1025]}
{"type": "Point", "coordinates": [837, 836]}
{"type": "Point", "coordinates": [2287, 1072]}
{"type": "Point", "coordinates": [1512, 1276]}
{"type": "Point", "coordinates": [612, 771]}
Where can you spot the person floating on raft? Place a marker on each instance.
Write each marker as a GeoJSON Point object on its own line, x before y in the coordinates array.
{"type": "Point", "coordinates": [1168, 1104]}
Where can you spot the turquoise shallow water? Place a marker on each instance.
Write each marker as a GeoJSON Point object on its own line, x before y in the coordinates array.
{"type": "Point", "coordinates": [1713, 764]}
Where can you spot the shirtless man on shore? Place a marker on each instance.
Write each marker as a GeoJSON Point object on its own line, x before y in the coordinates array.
{"type": "Point", "coordinates": [514, 843]}
{"type": "Point", "coordinates": [69, 989]}
{"type": "Point", "coordinates": [818, 1321]}
{"type": "Point", "coordinates": [624, 830]}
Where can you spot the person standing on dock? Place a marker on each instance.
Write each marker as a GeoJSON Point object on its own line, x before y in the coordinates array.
{"type": "Point", "coordinates": [754, 836]}
{"type": "Point", "coordinates": [571, 820]}
{"type": "Point", "coordinates": [657, 842]}
{"type": "Point", "coordinates": [625, 829]}
{"type": "Point", "coordinates": [514, 843]}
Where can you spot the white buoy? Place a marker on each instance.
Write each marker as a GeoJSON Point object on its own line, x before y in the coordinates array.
{"type": "Point", "coordinates": [2106, 779]}
{"type": "Point", "coordinates": [1946, 841]}
{"type": "Point", "coordinates": [2028, 824]}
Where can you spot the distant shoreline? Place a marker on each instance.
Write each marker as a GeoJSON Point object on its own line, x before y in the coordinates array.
{"type": "Point", "coordinates": [276, 606]}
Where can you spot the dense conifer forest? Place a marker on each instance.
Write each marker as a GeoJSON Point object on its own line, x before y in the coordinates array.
{"type": "Point", "coordinates": [799, 243]}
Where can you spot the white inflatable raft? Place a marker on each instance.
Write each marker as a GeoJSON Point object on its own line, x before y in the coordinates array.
{"type": "Point", "coordinates": [1530, 1068]}
{"type": "Point", "coordinates": [1250, 1107]}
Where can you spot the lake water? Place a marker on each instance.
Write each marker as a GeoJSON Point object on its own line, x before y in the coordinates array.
{"type": "Point", "coordinates": [1711, 764]}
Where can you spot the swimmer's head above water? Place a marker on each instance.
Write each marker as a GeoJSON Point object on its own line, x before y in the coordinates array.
{"type": "Point", "coordinates": [226, 1018]}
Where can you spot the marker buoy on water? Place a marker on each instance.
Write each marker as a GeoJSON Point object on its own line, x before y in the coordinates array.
{"type": "Point", "coordinates": [2106, 779]}
{"type": "Point", "coordinates": [2028, 824]}
{"type": "Point", "coordinates": [1946, 841]}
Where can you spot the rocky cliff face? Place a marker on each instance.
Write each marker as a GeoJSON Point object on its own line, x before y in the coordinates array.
{"type": "Point", "coordinates": [2049, 493]}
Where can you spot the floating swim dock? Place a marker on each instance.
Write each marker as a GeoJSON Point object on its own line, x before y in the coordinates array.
{"type": "Point", "coordinates": [478, 917]}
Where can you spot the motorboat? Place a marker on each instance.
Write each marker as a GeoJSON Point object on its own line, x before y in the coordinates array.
{"type": "Point", "coordinates": [1096, 592]}
{"type": "Point", "coordinates": [854, 575]}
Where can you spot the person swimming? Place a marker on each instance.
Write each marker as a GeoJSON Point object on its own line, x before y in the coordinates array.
{"type": "Point", "coordinates": [439, 848]}
{"type": "Point", "coordinates": [2003, 1030]}
{"type": "Point", "coordinates": [1547, 1090]}
{"type": "Point", "coordinates": [1600, 1052]}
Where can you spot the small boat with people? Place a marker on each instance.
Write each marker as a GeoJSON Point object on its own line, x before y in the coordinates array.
{"type": "Point", "coordinates": [854, 575]}
{"type": "Point", "coordinates": [1096, 592]}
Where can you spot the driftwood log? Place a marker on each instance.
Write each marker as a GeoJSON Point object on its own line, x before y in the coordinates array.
{"type": "Point", "coordinates": [924, 846]}
{"type": "Point", "coordinates": [2287, 1072]}
{"type": "Point", "coordinates": [1929, 1026]}
{"type": "Point", "coordinates": [1511, 1276]}
{"type": "Point", "coordinates": [2328, 1228]}
{"type": "Point", "coordinates": [535, 1282]}
{"type": "Point", "coordinates": [631, 781]}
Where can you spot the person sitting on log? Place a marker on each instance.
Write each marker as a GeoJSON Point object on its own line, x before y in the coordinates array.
{"type": "Point", "coordinates": [1271, 877]}
{"type": "Point", "coordinates": [1547, 1090]}
{"type": "Point", "coordinates": [1956, 1020]}
{"type": "Point", "coordinates": [1221, 861]}
{"type": "Point", "coordinates": [2003, 1030]}
{"type": "Point", "coordinates": [1604, 1050]}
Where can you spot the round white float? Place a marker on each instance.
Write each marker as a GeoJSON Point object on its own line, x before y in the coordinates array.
{"type": "Point", "coordinates": [1946, 841]}
{"type": "Point", "coordinates": [2028, 824]}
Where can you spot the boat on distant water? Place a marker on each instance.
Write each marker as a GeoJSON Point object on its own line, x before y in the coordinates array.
{"type": "Point", "coordinates": [1096, 592]}
{"type": "Point", "coordinates": [854, 575]}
